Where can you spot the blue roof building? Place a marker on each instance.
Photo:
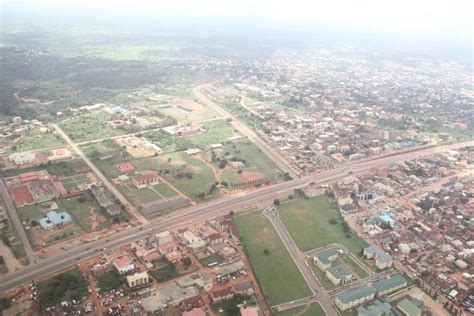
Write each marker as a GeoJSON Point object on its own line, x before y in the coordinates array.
{"type": "Point", "coordinates": [54, 219]}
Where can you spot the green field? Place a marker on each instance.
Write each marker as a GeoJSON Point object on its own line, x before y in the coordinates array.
{"type": "Point", "coordinates": [276, 272]}
{"type": "Point", "coordinates": [146, 195]}
{"type": "Point", "coordinates": [15, 244]}
{"type": "Point", "coordinates": [81, 212]}
{"type": "Point", "coordinates": [74, 181]}
{"type": "Point", "coordinates": [42, 141]}
{"type": "Point", "coordinates": [106, 147]}
{"type": "Point", "coordinates": [313, 309]}
{"type": "Point", "coordinates": [166, 273]}
{"type": "Point", "coordinates": [255, 161]}
{"type": "Point", "coordinates": [307, 220]}
{"type": "Point", "coordinates": [355, 267]}
{"type": "Point", "coordinates": [89, 126]}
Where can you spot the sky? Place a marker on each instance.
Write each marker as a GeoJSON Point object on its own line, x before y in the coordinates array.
{"type": "Point", "coordinates": [443, 19]}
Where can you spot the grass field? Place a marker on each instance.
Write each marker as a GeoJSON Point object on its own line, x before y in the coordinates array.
{"type": "Point", "coordinates": [356, 269]}
{"type": "Point", "coordinates": [88, 127]}
{"type": "Point", "coordinates": [42, 141]}
{"type": "Point", "coordinates": [79, 211]}
{"type": "Point", "coordinates": [166, 273]}
{"type": "Point", "coordinates": [307, 220]}
{"type": "Point", "coordinates": [106, 147]}
{"type": "Point", "coordinates": [146, 195]}
{"type": "Point", "coordinates": [256, 161]}
{"type": "Point", "coordinates": [74, 181]}
{"type": "Point", "coordinates": [16, 245]}
{"type": "Point", "coordinates": [276, 272]}
{"type": "Point", "coordinates": [313, 309]}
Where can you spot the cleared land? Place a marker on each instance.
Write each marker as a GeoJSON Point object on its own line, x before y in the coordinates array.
{"type": "Point", "coordinates": [308, 221]}
{"type": "Point", "coordinates": [89, 126]}
{"type": "Point", "coordinates": [41, 141]}
{"type": "Point", "coordinates": [270, 260]}
{"type": "Point", "coordinates": [146, 195]}
{"type": "Point", "coordinates": [313, 309]}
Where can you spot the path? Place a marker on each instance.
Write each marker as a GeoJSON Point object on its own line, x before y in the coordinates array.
{"type": "Point", "coordinates": [118, 195]}
{"type": "Point", "coordinates": [11, 262]}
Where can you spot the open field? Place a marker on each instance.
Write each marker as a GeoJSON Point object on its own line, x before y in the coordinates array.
{"type": "Point", "coordinates": [106, 147]}
{"type": "Point", "coordinates": [65, 169]}
{"type": "Point", "coordinates": [275, 268]}
{"type": "Point", "coordinates": [80, 211]}
{"type": "Point", "coordinates": [41, 141]}
{"type": "Point", "coordinates": [190, 175]}
{"type": "Point", "coordinates": [313, 309]}
{"type": "Point", "coordinates": [184, 110]}
{"type": "Point", "coordinates": [256, 162]}
{"type": "Point", "coordinates": [88, 127]}
{"type": "Point", "coordinates": [308, 221]}
{"type": "Point", "coordinates": [14, 243]}
{"type": "Point", "coordinates": [217, 131]}
{"type": "Point", "coordinates": [354, 266]}
{"type": "Point", "coordinates": [146, 195]}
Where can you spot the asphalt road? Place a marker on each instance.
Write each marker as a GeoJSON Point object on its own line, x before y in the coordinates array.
{"type": "Point", "coordinates": [16, 222]}
{"type": "Point", "coordinates": [194, 214]}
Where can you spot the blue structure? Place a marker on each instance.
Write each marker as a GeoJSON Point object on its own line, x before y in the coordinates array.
{"type": "Point", "coordinates": [54, 219]}
{"type": "Point", "coordinates": [117, 109]}
{"type": "Point", "coordinates": [388, 219]}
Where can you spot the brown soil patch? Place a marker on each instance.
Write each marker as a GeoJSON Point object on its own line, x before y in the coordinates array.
{"type": "Point", "coordinates": [249, 176]}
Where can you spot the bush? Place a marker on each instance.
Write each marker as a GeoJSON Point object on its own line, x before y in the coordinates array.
{"type": "Point", "coordinates": [62, 287]}
{"type": "Point", "coordinates": [110, 280]}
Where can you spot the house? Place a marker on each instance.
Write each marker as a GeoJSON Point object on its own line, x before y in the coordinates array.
{"type": "Point", "coordinates": [382, 259]}
{"type": "Point", "coordinates": [351, 298]}
{"type": "Point", "coordinates": [217, 296]}
{"type": "Point", "coordinates": [145, 178]}
{"type": "Point", "coordinates": [124, 264]}
{"type": "Point", "coordinates": [243, 288]}
{"type": "Point", "coordinates": [189, 130]}
{"type": "Point", "coordinates": [114, 210]}
{"type": "Point", "coordinates": [325, 258]}
{"type": "Point", "coordinates": [54, 220]}
{"type": "Point", "coordinates": [339, 274]}
{"type": "Point", "coordinates": [126, 167]}
{"type": "Point", "coordinates": [192, 151]}
{"type": "Point", "coordinates": [192, 303]}
{"type": "Point", "coordinates": [101, 196]}
{"type": "Point", "coordinates": [138, 279]}
{"type": "Point", "coordinates": [168, 247]}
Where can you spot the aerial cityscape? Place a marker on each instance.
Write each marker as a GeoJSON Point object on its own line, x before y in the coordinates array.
{"type": "Point", "coordinates": [154, 169]}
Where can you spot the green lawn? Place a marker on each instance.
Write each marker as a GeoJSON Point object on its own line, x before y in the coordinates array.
{"type": "Point", "coordinates": [358, 271]}
{"type": "Point", "coordinates": [138, 196]}
{"type": "Point", "coordinates": [255, 161]}
{"type": "Point", "coordinates": [325, 282]}
{"type": "Point", "coordinates": [106, 147]}
{"type": "Point", "coordinates": [307, 220]}
{"type": "Point", "coordinates": [41, 141]}
{"type": "Point", "coordinates": [165, 273]}
{"type": "Point", "coordinates": [212, 258]}
{"type": "Point", "coordinates": [79, 211]}
{"type": "Point", "coordinates": [276, 272]}
{"type": "Point", "coordinates": [217, 131]}
{"type": "Point", "coordinates": [164, 190]}
{"type": "Point", "coordinates": [313, 309]}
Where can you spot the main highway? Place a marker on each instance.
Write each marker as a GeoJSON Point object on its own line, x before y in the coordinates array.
{"type": "Point", "coordinates": [201, 212]}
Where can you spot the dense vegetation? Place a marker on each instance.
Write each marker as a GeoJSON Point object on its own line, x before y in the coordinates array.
{"type": "Point", "coordinates": [110, 280]}
{"type": "Point", "coordinates": [62, 287]}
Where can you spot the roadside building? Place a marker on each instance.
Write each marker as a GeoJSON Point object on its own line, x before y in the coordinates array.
{"type": "Point", "coordinates": [382, 259]}
{"type": "Point", "coordinates": [351, 298]}
{"type": "Point", "coordinates": [101, 196]}
{"type": "Point", "coordinates": [124, 264]}
{"type": "Point", "coordinates": [192, 303]}
{"type": "Point", "coordinates": [220, 295]}
{"type": "Point", "coordinates": [243, 288]}
{"type": "Point", "coordinates": [138, 279]}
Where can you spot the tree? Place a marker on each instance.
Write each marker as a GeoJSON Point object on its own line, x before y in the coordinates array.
{"type": "Point", "coordinates": [187, 262]}
{"type": "Point", "coordinates": [333, 221]}
{"type": "Point", "coordinates": [276, 202]}
{"type": "Point", "coordinates": [2, 261]}
{"type": "Point", "coordinates": [4, 303]}
{"type": "Point", "coordinates": [266, 252]}
{"type": "Point", "coordinates": [5, 240]}
{"type": "Point", "coordinates": [34, 223]}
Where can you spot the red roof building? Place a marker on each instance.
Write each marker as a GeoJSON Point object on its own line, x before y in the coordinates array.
{"type": "Point", "coordinates": [144, 178]}
{"type": "Point", "coordinates": [221, 295]}
{"type": "Point", "coordinates": [191, 303]}
{"type": "Point", "coordinates": [28, 177]}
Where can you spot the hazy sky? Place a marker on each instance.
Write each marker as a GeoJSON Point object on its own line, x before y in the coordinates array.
{"type": "Point", "coordinates": [433, 18]}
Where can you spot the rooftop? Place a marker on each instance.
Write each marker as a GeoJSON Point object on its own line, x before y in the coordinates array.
{"type": "Point", "coordinates": [339, 271]}
{"type": "Point", "coordinates": [355, 294]}
{"type": "Point", "coordinates": [392, 282]}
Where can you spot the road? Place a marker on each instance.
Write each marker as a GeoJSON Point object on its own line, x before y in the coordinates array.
{"type": "Point", "coordinates": [16, 222]}
{"type": "Point", "coordinates": [247, 132]}
{"type": "Point", "coordinates": [300, 260]}
{"type": "Point", "coordinates": [193, 214]}
{"type": "Point", "coordinates": [119, 196]}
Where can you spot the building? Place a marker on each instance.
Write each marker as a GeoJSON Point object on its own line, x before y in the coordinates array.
{"type": "Point", "coordinates": [215, 239]}
{"type": "Point", "coordinates": [339, 274]}
{"type": "Point", "coordinates": [138, 279]}
{"type": "Point", "coordinates": [325, 258]}
{"type": "Point", "coordinates": [379, 307]}
{"type": "Point", "coordinates": [114, 210]}
{"type": "Point", "coordinates": [101, 196]}
{"type": "Point", "coordinates": [249, 311]}
{"type": "Point", "coordinates": [408, 308]}
{"type": "Point", "coordinates": [243, 288]}
{"type": "Point", "coordinates": [124, 264]}
{"type": "Point", "coordinates": [351, 298]}
{"type": "Point", "coordinates": [390, 284]}
{"type": "Point", "coordinates": [192, 303]}
{"type": "Point", "coordinates": [23, 158]}
{"type": "Point", "coordinates": [217, 296]}
{"type": "Point", "coordinates": [382, 259]}
{"type": "Point", "coordinates": [55, 220]}
{"type": "Point", "coordinates": [145, 178]}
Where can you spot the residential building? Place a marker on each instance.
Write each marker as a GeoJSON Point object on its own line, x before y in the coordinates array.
{"type": "Point", "coordinates": [351, 298]}
{"type": "Point", "coordinates": [390, 284]}
{"type": "Point", "coordinates": [55, 220]}
{"type": "Point", "coordinates": [124, 264]}
{"type": "Point", "coordinates": [325, 258]}
{"type": "Point", "coordinates": [138, 279]}
{"type": "Point", "coordinates": [382, 259]}
{"type": "Point", "coordinates": [145, 178]}
{"type": "Point", "coordinates": [339, 274]}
